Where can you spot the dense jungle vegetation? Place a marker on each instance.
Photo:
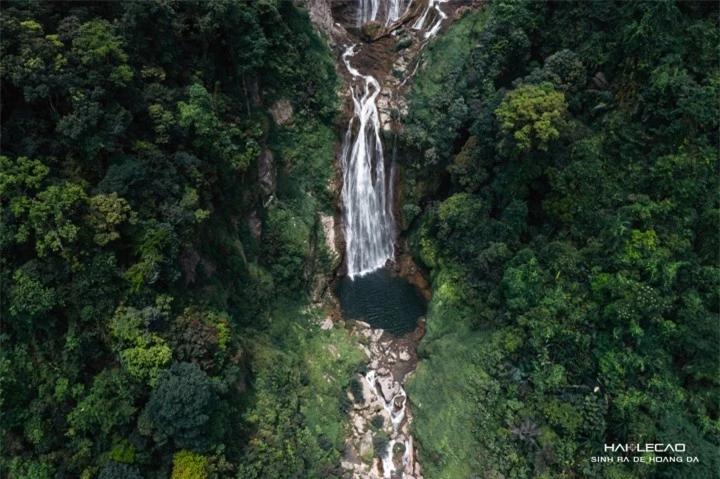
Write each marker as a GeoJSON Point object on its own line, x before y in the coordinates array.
{"type": "Point", "coordinates": [154, 287]}
{"type": "Point", "coordinates": [560, 186]}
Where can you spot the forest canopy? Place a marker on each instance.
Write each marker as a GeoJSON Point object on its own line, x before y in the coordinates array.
{"type": "Point", "coordinates": [561, 190]}
{"type": "Point", "coordinates": [164, 172]}
{"type": "Point", "coordinates": [159, 229]}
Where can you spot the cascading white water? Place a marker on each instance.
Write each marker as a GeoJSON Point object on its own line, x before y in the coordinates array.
{"type": "Point", "coordinates": [397, 414]}
{"type": "Point", "coordinates": [387, 459]}
{"type": "Point", "coordinates": [396, 9]}
{"type": "Point", "coordinates": [368, 199]}
{"type": "Point", "coordinates": [440, 17]}
{"type": "Point", "coordinates": [368, 213]}
{"type": "Point", "coordinates": [368, 11]}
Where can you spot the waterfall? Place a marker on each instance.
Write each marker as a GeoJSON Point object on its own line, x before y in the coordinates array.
{"type": "Point", "coordinates": [396, 9]}
{"type": "Point", "coordinates": [368, 212]}
{"type": "Point", "coordinates": [368, 10]}
{"type": "Point", "coordinates": [387, 460]}
{"type": "Point", "coordinates": [367, 195]}
{"type": "Point", "coordinates": [440, 17]}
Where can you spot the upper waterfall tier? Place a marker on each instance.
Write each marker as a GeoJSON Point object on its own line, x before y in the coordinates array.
{"type": "Point", "coordinates": [368, 11]}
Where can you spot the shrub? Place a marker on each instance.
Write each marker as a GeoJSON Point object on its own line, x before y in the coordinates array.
{"type": "Point", "coordinates": [380, 444]}
{"type": "Point", "coordinates": [377, 421]}
{"type": "Point", "coordinates": [357, 390]}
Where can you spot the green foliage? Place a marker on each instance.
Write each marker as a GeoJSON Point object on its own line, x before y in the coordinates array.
{"type": "Point", "coordinates": [377, 421]}
{"type": "Point", "coordinates": [356, 389]}
{"type": "Point", "coordinates": [188, 465]}
{"type": "Point", "coordinates": [381, 441]}
{"type": "Point", "coordinates": [114, 470]}
{"type": "Point", "coordinates": [568, 281]}
{"type": "Point", "coordinates": [107, 405]}
{"type": "Point", "coordinates": [530, 117]}
{"type": "Point", "coordinates": [123, 453]}
{"type": "Point", "coordinates": [99, 48]}
{"type": "Point", "coordinates": [287, 242]}
{"type": "Point", "coordinates": [212, 136]}
{"type": "Point", "coordinates": [131, 140]}
{"type": "Point", "coordinates": [181, 405]}
{"type": "Point", "coordinates": [107, 212]}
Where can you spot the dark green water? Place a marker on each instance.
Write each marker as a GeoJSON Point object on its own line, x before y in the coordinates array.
{"type": "Point", "coordinates": [383, 301]}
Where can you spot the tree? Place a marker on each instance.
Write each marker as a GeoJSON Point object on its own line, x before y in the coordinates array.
{"type": "Point", "coordinates": [107, 213]}
{"type": "Point", "coordinates": [188, 465]}
{"type": "Point", "coordinates": [531, 116]}
{"type": "Point", "coordinates": [181, 405]}
{"type": "Point", "coordinates": [114, 470]}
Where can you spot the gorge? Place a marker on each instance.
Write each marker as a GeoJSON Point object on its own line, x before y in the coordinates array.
{"type": "Point", "coordinates": [391, 306]}
{"type": "Point", "coordinates": [358, 239]}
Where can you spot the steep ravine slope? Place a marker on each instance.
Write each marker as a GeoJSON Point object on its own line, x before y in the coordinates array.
{"type": "Point", "coordinates": [561, 165]}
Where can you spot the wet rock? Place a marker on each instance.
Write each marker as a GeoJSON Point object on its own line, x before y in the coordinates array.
{"type": "Point", "coordinates": [365, 444]}
{"type": "Point", "coordinates": [388, 387]}
{"type": "Point", "coordinates": [255, 225]}
{"type": "Point", "coordinates": [282, 112]}
{"type": "Point", "coordinates": [267, 174]}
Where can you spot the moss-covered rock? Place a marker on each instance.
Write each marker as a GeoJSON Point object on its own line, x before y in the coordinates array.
{"type": "Point", "coordinates": [403, 44]}
{"type": "Point", "coordinates": [371, 31]}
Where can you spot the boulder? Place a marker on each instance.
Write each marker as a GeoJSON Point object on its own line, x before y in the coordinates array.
{"type": "Point", "coordinates": [282, 112]}
{"type": "Point", "coordinates": [371, 31]}
{"type": "Point", "coordinates": [358, 423]}
{"type": "Point", "coordinates": [368, 394]}
{"type": "Point", "coordinates": [388, 387]}
{"type": "Point", "coordinates": [366, 445]}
